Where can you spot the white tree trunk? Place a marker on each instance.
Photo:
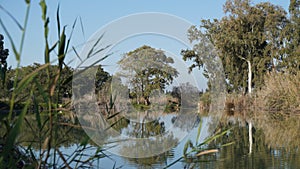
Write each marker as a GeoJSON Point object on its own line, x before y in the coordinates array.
{"type": "Point", "coordinates": [250, 137]}
{"type": "Point", "coordinates": [250, 91]}
{"type": "Point", "coordinates": [249, 77]}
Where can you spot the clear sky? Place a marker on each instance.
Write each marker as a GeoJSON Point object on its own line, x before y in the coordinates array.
{"type": "Point", "coordinates": [94, 15]}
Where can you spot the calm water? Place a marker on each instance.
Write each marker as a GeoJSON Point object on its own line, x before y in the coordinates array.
{"type": "Point", "coordinates": [275, 143]}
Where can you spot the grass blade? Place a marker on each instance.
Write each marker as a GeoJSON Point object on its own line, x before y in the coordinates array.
{"type": "Point", "coordinates": [207, 152]}
{"type": "Point", "coordinates": [61, 49]}
{"type": "Point", "coordinates": [14, 132]}
{"type": "Point", "coordinates": [81, 25]}
{"type": "Point", "coordinates": [58, 21]}
{"type": "Point", "coordinates": [76, 53]}
{"type": "Point", "coordinates": [44, 9]}
{"type": "Point", "coordinates": [199, 131]}
{"type": "Point", "coordinates": [16, 53]}
{"type": "Point", "coordinates": [90, 53]}
{"type": "Point", "coordinates": [69, 40]}
{"type": "Point", "coordinates": [12, 17]}
{"type": "Point", "coordinates": [208, 140]}
{"type": "Point", "coordinates": [27, 79]}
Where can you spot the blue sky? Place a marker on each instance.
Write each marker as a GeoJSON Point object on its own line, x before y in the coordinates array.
{"type": "Point", "coordinates": [96, 14]}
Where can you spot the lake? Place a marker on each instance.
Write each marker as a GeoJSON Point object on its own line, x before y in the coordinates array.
{"type": "Point", "coordinates": [276, 142]}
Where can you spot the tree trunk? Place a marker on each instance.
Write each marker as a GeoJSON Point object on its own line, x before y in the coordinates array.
{"type": "Point", "coordinates": [250, 137]}
{"type": "Point", "coordinates": [249, 77]}
{"type": "Point", "coordinates": [249, 92]}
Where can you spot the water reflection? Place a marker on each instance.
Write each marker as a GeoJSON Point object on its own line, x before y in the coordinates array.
{"type": "Point", "coordinates": [276, 141]}
{"type": "Point", "coordinates": [152, 138]}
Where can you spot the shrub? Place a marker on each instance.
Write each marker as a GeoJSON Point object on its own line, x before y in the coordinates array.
{"type": "Point", "coordinates": [281, 93]}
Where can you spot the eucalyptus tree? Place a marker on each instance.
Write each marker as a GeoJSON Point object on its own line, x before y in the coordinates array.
{"type": "Point", "coordinates": [291, 62]}
{"type": "Point", "coordinates": [247, 40]}
{"type": "Point", "coordinates": [147, 69]}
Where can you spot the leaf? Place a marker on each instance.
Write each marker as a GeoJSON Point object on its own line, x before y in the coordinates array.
{"type": "Point", "coordinates": [90, 53]}
{"type": "Point", "coordinates": [228, 144]}
{"type": "Point", "coordinates": [14, 132]}
{"type": "Point", "coordinates": [12, 17]}
{"type": "Point", "coordinates": [69, 40]}
{"type": "Point", "coordinates": [44, 9]}
{"type": "Point", "coordinates": [53, 47]}
{"type": "Point", "coordinates": [37, 113]}
{"type": "Point", "coordinates": [58, 21]}
{"type": "Point", "coordinates": [27, 79]}
{"type": "Point", "coordinates": [113, 115]}
{"type": "Point", "coordinates": [82, 29]}
{"type": "Point", "coordinates": [61, 48]}
{"type": "Point", "coordinates": [208, 140]}
{"type": "Point", "coordinates": [207, 152]}
{"type": "Point", "coordinates": [199, 131]}
{"type": "Point", "coordinates": [168, 166]}
{"type": "Point", "coordinates": [85, 141]}
{"type": "Point", "coordinates": [17, 54]}
{"type": "Point", "coordinates": [63, 159]}
{"type": "Point", "coordinates": [76, 54]}
{"type": "Point", "coordinates": [186, 146]}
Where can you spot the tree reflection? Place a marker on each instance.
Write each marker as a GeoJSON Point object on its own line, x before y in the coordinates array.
{"type": "Point", "coordinates": [152, 162]}
{"type": "Point", "coordinates": [148, 152]}
{"type": "Point", "coordinates": [275, 143]}
{"type": "Point", "coordinates": [186, 121]}
{"type": "Point", "coordinates": [280, 130]}
{"type": "Point", "coordinates": [146, 130]}
{"type": "Point", "coordinates": [67, 134]}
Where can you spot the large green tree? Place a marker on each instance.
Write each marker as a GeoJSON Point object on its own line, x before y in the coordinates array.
{"type": "Point", "coordinates": [247, 39]}
{"type": "Point", "coordinates": [147, 69]}
{"type": "Point", "coordinates": [291, 61]}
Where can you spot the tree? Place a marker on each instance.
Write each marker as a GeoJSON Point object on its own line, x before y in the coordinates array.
{"type": "Point", "coordinates": [247, 40]}
{"type": "Point", "coordinates": [291, 62]}
{"type": "Point", "coordinates": [187, 94]}
{"type": "Point", "coordinates": [147, 69]}
{"type": "Point", "coordinates": [3, 57]}
{"type": "Point", "coordinates": [102, 77]}
{"type": "Point", "coordinates": [40, 83]}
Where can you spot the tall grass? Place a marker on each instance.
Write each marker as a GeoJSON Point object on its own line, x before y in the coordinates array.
{"type": "Point", "coordinates": [281, 93]}
{"type": "Point", "coordinates": [49, 153]}
{"type": "Point", "coordinates": [192, 151]}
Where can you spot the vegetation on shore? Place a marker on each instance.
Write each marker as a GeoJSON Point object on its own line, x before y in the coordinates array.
{"type": "Point", "coordinates": [258, 46]}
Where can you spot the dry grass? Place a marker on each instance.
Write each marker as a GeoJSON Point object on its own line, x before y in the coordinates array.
{"type": "Point", "coordinates": [281, 93]}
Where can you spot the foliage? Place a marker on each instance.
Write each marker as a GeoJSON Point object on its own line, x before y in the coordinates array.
{"type": "Point", "coordinates": [248, 33]}
{"type": "Point", "coordinates": [205, 100]}
{"type": "Point", "coordinates": [280, 130]}
{"type": "Point", "coordinates": [102, 77]}
{"type": "Point", "coordinates": [65, 89]}
{"type": "Point", "coordinates": [147, 69]}
{"type": "Point", "coordinates": [3, 57]}
{"type": "Point", "coordinates": [291, 59]}
{"type": "Point", "coordinates": [273, 139]}
{"type": "Point", "coordinates": [281, 93]}
{"type": "Point", "coordinates": [186, 94]}
{"type": "Point", "coordinates": [35, 85]}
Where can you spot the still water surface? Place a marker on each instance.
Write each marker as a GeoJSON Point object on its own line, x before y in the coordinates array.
{"type": "Point", "coordinates": [275, 144]}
